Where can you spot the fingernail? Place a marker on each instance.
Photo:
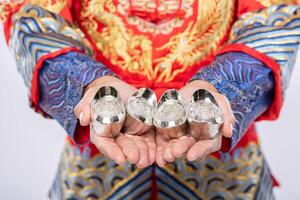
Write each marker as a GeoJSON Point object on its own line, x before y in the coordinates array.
{"type": "Point", "coordinates": [162, 165]}
{"type": "Point", "coordinates": [193, 158]}
{"type": "Point", "coordinates": [140, 166]}
{"type": "Point", "coordinates": [80, 116]}
{"type": "Point", "coordinates": [120, 163]}
{"type": "Point", "coordinates": [231, 127]}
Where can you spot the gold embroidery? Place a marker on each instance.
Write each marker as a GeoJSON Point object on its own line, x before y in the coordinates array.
{"type": "Point", "coordinates": [6, 7]}
{"type": "Point", "coordinates": [43, 19]}
{"type": "Point", "coordinates": [3, 13]}
{"type": "Point", "coordinates": [51, 5]}
{"type": "Point", "coordinates": [200, 39]}
{"type": "Point", "coordinates": [133, 52]}
{"type": "Point", "coordinates": [82, 176]}
{"type": "Point", "coordinates": [236, 176]}
{"type": "Point", "coordinates": [123, 48]}
{"type": "Point", "coordinates": [156, 28]}
{"type": "Point", "coordinates": [268, 3]}
{"type": "Point", "coordinates": [230, 177]}
{"type": "Point", "coordinates": [263, 18]}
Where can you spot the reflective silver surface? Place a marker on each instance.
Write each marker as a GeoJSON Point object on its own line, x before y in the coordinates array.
{"type": "Point", "coordinates": [141, 105]}
{"type": "Point", "coordinates": [140, 108]}
{"type": "Point", "coordinates": [107, 112]}
{"type": "Point", "coordinates": [170, 116]}
{"type": "Point", "coordinates": [204, 115]}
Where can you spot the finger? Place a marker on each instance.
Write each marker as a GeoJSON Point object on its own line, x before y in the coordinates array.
{"type": "Point", "coordinates": [86, 100]}
{"type": "Point", "coordinates": [229, 119]}
{"type": "Point", "coordinates": [167, 154]}
{"type": "Point", "coordinates": [83, 113]}
{"type": "Point", "coordinates": [227, 129]}
{"type": "Point", "coordinates": [161, 144]}
{"type": "Point", "coordinates": [180, 148]}
{"type": "Point", "coordinates": [190, 88]}
{"type": "Point", "coordinates": [201, 159]}
{"type": "Point", "coordinates": [129, 149]}
{"type": "Point", "coordinates": [83, 109]}
{"type": "Point", "coordinates": [203, 148]}
{"type": "Point", "coordinates": [143, 151]}
{"type": "Point", "coordinates": [150, 141]}
{"type": "Point", "coordinates": [225, 104]}
{"type": "Point", "coordinates": [111, 149]}
{"type": "Point", "coordinates": [89, 95]}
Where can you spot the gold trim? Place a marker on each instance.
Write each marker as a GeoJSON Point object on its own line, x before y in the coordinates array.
{"type": "Point", "coordinates": [248, 161]}
{"type": "Point", "coordinates": [243, 163]}
{"type": "Point", "coordinates": [70, 160]}
{"type": "Point", "coordinates": [269, 3]}
{"type": "Point", "coordinates": [54, 6]}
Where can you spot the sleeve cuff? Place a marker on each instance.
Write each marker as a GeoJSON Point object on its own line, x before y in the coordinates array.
{"type": "Point", "coordinates": [60, 80]}
{"type": "Point", "coordinates": [274, 109]}
{"type": "Point", "coordinates": [34, 91]}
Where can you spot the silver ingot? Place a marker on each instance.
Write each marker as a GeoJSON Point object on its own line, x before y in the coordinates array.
{"type": "Point", "coordinates": [170, 116]}
{"type": "Point", "coordinates": [204, 115]}
{"type": "Point", "coordinates": [107, 112]}
{"type": "Point", "coordinates": [140, 108]}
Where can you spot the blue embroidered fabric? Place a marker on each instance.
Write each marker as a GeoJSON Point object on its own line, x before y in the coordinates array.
{"type": "Point", "coordinates": [38, 32]}
{"type": "Point", "coordinates": [62, 82]}
{"type": "Point", "coordinates": [246, 82]}
{"type": "Point", "coordinates": [275, 32]}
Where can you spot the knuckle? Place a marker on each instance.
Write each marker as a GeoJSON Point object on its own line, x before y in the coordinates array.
{"type": "Point", "coordinates": [76, 110]}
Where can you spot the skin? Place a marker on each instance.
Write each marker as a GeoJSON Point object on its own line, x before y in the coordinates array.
{"type": "Point", "coordinates": [186, 146]}
{"type": "Point", "coordinates": [144, 147]}
{"type": "Point", "coordinates": [138, 148]}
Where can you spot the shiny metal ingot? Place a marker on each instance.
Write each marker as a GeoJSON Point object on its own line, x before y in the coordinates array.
{"type": "Point", "coordinates": [107, 112]}
{"type": "Point", "coordinates": [204, 115]}
{"type": "Point", "coordinates": [170, 116]}
{"type": "Point", "coordinates": [140, 108]}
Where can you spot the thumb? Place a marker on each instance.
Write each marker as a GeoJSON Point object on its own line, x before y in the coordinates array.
{"type": "Point", "coordinates": [83, 109]}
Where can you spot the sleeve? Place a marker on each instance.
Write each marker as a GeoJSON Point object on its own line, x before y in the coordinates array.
{"type": "Point", "coordinates": [37, 34]}
{"type": "Point", "coordinates": [62, 82]}
{"type": "Point", "coordinates": [54, 58]}
{"type": "Point", "coordinates": [247, 83]}
{"type": "Point", "coordinates": [253, 71]}
{"type": "Point", "coordinates": [9, 8]}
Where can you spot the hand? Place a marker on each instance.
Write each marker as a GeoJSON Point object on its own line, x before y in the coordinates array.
{"type": "Point", "coordinates": [188, 146]}
{"type": "Point", "coordinates": [137, 147]}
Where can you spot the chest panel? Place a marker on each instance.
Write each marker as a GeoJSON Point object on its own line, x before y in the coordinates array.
{"type": "Point", "coordinates": [157, 40]}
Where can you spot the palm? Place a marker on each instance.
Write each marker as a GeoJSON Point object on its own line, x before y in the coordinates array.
{"type": "Point", "coordinates": [187, 146]}
{"type": "Point", "coordinates": [137, 149]}
{"type": "Point", "coordinates": [135, 143]}
{"type": "Point", "coordinates": [169, 150]}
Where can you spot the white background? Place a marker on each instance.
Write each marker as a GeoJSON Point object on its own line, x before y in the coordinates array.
{"type": "Point", "coordinates": [30, 145]}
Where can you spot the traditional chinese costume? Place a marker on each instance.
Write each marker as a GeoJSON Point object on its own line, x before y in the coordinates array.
{"type": "Point", "coordinates": [246, 49]}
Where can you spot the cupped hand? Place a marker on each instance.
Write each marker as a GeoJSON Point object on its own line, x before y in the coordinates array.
{"type": "Point", "coordinates": [187, 146]}
{"type": "Point", "coordinates": [137, 147]}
